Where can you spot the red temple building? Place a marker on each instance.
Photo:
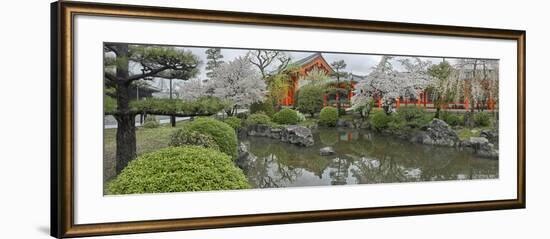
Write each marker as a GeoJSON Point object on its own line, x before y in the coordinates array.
{"type": "Point", "coordinates": [344, 91]}
{"type": "Point", "coordinates": [317, 61]}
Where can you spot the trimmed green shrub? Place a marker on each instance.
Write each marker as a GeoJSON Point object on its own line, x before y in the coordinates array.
{"type": "Point", "coordinates": [310, 98]}
{"type": "Point", "coordinates": [179, 169]}
{"type": "Point", "coordinates": [452, 119]}
{"type": "Point", "coordinates": [184, 136]}
{"type": "Point", "coordinates": [234, 122]}
{"type": "Point", "coordinates": [222, 133]}
{"type": "Point", "coordinates": [396, 123]}
{"type": "Point", "coordinates": [380, 120]}
{"type": "Point", "coordinates": [409, 113]}
{"type": "Point", "coordinates": [151, 122]}
{"type": "Point", "coordinates": [286, 116]}
{"type": "Point", "coordinates": [258, 118]}
{"type": "Point", "coordinates": [482, 119]}
{"type": "Point", "coordinates": [203, 105]}
{"type": "Point", "coordinates": [342, 111]}
{"type": "Point", "coordinates": [328, 116]}
{"type": "Point", "coordinates": [266, 107]}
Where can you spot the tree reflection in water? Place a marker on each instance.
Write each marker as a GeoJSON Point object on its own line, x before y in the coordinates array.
{"type": "Point", "coordinates": [361, 157]}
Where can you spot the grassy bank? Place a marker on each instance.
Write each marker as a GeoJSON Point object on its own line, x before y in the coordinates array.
{"type": "Point", "coordinates": [147, 140]}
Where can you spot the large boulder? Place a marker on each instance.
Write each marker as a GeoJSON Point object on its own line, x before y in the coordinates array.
{"type": "Point", "coordinates": [491, 135]}
{"type": "Point", "coordinates": [437, 132]}
{"type": "Point", "coordinates": [298, 135]}
{"type": "Point", "coordinates": [480, 146]}
{"type": "Point", "coordinates": [326, 151]}
{"type": "Point", "coordinates": [259, 130]}
{"type": "Point", "coordinates": [246, 159]}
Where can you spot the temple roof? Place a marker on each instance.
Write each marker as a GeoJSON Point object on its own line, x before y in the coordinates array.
{"type": "Point", "coordinates": [311, 58]}
{"type": "Point", "coordinates": [308, 59]}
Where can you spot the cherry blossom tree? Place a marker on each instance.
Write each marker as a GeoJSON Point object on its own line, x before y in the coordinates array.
{"type": "Point", "coordinates": [239, 83]}
{"type": "Point", "coordinates": [193, 89]}
{"type": "Point", "coordinates": [478, 80]}
{"type": "Point", "coordinates": [389, 84]}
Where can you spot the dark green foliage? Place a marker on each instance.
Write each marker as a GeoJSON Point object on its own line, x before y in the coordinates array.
{"type": "Point", "coordinates": [451, 118]}
{"type": "Point", "coordinates": [203, 105]}
{"type": "Point", "coordinates": [482, 119]}
{"type": "Point", "coordinates": [328, 116]}
{"type": "Point", "coordinates": [342, 111]}
{"type": "Point", "coordinates": [179, 169]}
{"type": "Point", "coordinates": [221, 132]}
{"type": "Point", "coordinates": [185, 136]}
{"type": "Point", "coordinates": [397, 123]}
{"type": "Point", "coordinates": [109, 104]}
{"type": "Point", "coordinates": [234, 122]}
{"type": "Point", "coordinates": [309, 99]}
{"type": "Point", "coordinates": [410, 113]}
{"type": "Point", "coordinates": [151, 122]}
{"type": "Point", "coordinates": [214, 57]}
{"type": "Point", "coordinates": [286, 116]}
{"type": "Point", "coordinates": [258, 118]}
{"type": "Point", "coordinates": [266, 107]}
{"type": "Point", "coordinates": [381, 120]}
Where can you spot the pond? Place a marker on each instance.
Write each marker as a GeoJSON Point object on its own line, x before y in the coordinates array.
{"type": "Point", "coordinates": [361, 157]}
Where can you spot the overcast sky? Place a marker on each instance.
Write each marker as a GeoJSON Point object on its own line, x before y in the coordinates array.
{"type": "Point", "coordinates": [359, 64]}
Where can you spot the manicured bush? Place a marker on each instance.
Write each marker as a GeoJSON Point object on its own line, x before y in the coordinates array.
{"type": "Point", "coordinates": [310, 99]}
{"type": "Point", "coordinates": [184, 136]}
{"type": "Point", "coordinates": [203, 105]}
{"type": "Point", "coordinates": [409, 113]}
{"type": "Point", "coordinates": [380, 120]}
{"type": "Point", "coordinates": [258, 118]}
{"type": "Point", "coordinates": [482, 119]}
{"type": "Point", "coordinates": [179, 169]}
{"type": "Point", "coordinates": [221, 132]}
{"type": "Point", "coordinates": [396, 123]}
{"type": "Point", "coordinates": [266, 107]}
{"type": "Point", "coordinates": [151, 122]}
{"type": "Point", "coordinates": [234, 122]}
{"type": "Point", "coordinates": [286, 116]}
{"type": "Point", "coordinates": [342, 111]}
{"type": "Point", "coordinates": [328, 116]}
{"type": "Point", "coordinates": [452, 119]}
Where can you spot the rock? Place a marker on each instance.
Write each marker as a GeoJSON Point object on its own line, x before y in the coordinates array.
{"type": "Point", "coordinates": [341, 123]}
{"type": "Point", "coordinates": [491, 135]}
{"type": "Point", "coordinates": [275, 133]}
{"type": "Point", "coordinates": [259, 130]}
{"type": "Point", "coordinates": [325, 151]}
{"type": "Point", "coordinates": [298, 135]}
{"type": "Point", "coordinates": [245, 160]}
{"type": "Point", "coordinates": [437, 132]}
{"type": "Point", "coordinates": [480, 146]}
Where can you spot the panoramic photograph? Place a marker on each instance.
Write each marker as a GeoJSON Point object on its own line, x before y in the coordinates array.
{"type": "Point", "coordinates": [187, 118]}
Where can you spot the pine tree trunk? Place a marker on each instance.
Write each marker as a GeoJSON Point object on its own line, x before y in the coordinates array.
{"type": "Point", "coordinates": [126, 129]}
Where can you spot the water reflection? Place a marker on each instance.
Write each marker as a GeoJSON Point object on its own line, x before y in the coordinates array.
{"type": "Point", "coordinates": [361, 157]}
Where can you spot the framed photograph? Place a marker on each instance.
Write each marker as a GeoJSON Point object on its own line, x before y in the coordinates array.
{"type": "Point", "coordinates": [170, 119]}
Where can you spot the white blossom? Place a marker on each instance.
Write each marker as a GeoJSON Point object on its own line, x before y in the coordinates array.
{"type": "Point", "coordinates": [238, 82]}
{"type": "Point", "coordinates": [389, 84]}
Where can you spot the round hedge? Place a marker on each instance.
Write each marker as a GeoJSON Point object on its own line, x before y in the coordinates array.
{"type": "Point", "coordinates": [328, 116]}
{"type": "Point", "coordinates": [222, 133]}
{"type": "Point", "coordinates": [258, 118]}
{"type": "Point", "coordinates": [151, 122]}
{"type": "Point", "coordinates": [234, 122]}
{"type": "Point", "coordinates": [185, 136]}
{"type": "Point", "coordinates": [286, 116]}
{"type": "Point", "coordinates": [179, 169]}
{"type": "Point", "coordinates": [381, 120]}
